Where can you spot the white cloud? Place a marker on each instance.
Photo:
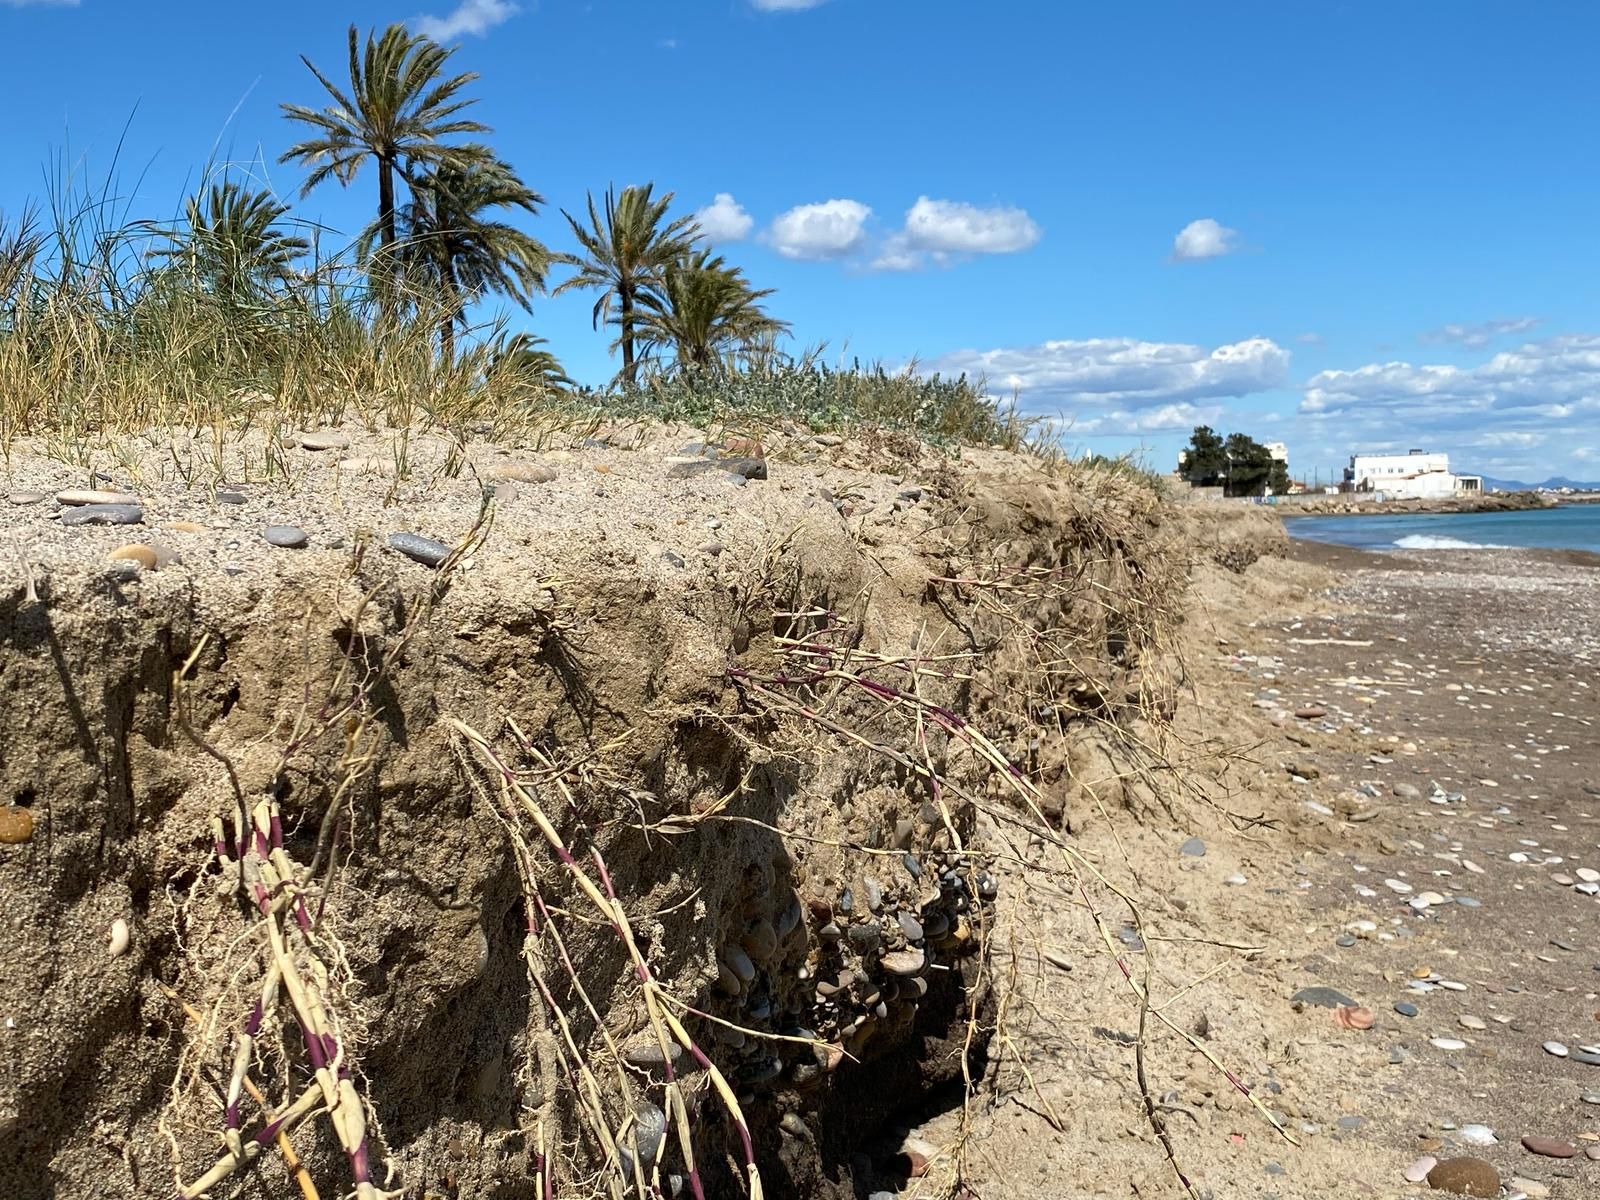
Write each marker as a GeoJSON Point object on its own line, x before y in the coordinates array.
{"type": "Point", "coordinates": [831, 229]}
{"type": "Point", "coordinates": [1480, 334]}
{"type": "Point", "coordinates": [786, 5]}
{"type": "Point", "coordinates": [724, 220]}
{"type": "Point", "coordinates": [1555, 378]}
{"type": "Point", "coordinates": [1169, 418]}
{"type": "Point", "coordinates": [475, 17]}
{"type": "Point", "coordinates": [1204, 238]}
{"type": "Point", "coordinates": [1123, 375]}
{"type": "Point", "coordinates": [944, 230]}
{"type": "Point", "coordinates": [950, 227]}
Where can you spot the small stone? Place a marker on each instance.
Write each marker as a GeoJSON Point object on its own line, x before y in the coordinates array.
{"type": "Point", "coordinates": [1418, 1171]}
{"type": "Point", "coordinates": [1322, 997]}
{"type": "Point", "coordinates": [16, 825]}
{"type": "Point", "coordinates": [142, 555]}
{"type": "Point", "coordinates": [1193, 848]}
{"type": "Point", "coordinates": [1477, 1135]}
{"type": "Point", "coordinates": [1236, 880]}
{"type": "Point", "coordinates": [865, 938]}
{"type": "Point", "coordinates": [1550, 1147]}
{"type": "Point", "coordinates": [1405, 1008]}
{"type": "Point", "coordinates": [1444, 1043]}
{"type": "Point", "coordinates": [1345, 939]}
{"type": "Point", "coordinates": [289, 537]}
{"type": "Point", "coordinates": [226, 497]}
{"type": "Point", "coordinates": [1465, 1177]}
{"type": "Point", "coordinates": [21, 498]}
{"type": "Point", "coordinates": [1407, 791]}
{"type": "Point", "coordinates": [1531, 1188]}
{"type": "Point", "coordinates": [761, 940]}
{"type": "Point", "coordinates": [1556, 1048]}
{"type": "Point", "coordinates": [739, 963]}
{"type": "Point", "coordinates": [83, 496]}
{"type": "Point", "coordinates": [1468, 1021]}
{"type": "Point", "coordinates": [744, 466]}
{"type": "Point", "coordinates": [420, 549]}
{"type": "Point", "coordinates": [1588, 874]}
{"type": "Point", "coordinates": [904, 962]}
{"type": "Point", "coordinates": [1590, 1097]}
{"type": "Point", "coordinates": [103, 514]}
{"type": "Point", "coordinates": [647, 1056]}
{"type": "Point", "coordinates": [1311, 712]}
{"type": "Point", "coordinates": [183, 527]}
{"type": "Point", "coordinates": [872, 890]}
{"type": "Point", "coordinates": [911, 927]}
{"type": "Point", "coordinates": [520, 472]}
{"type": "Point", "coordinates": [324, 441]}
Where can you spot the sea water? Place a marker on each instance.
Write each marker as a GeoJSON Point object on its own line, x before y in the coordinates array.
{"type": "Point", "coordinates": [1567, 527]}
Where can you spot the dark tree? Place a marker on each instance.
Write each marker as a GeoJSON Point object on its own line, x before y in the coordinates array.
{"type": "Point", "coordinates": [1207, 462]}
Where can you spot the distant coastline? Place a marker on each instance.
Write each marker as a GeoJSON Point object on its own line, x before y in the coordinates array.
{"type": "Point", "coordinates": [1355, 504]}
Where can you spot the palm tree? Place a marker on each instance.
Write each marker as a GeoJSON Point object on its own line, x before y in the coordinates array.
{"type": "Point", "coordinates": [522, 358]}
{"type": "Point", "coordinates": [624, 255]}
{"type": "Point", "coordinates": [397, 112]}
{"type": "Point", "coordinates": [706, 312]}
{"type": "Point", "coordinates": [232, 244]}
{"type": "Point", "coordinates": [456, 250]}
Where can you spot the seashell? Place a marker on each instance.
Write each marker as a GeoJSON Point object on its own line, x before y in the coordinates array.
{"type": "Point", "coordinates": [1352, 1017]}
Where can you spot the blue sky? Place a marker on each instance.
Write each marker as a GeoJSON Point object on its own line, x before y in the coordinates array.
{"type": "Point", "coordinates": [1338, 225]}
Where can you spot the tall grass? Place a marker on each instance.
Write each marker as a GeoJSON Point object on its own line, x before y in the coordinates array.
{"type": "Point", "coordinates": [103, 335]}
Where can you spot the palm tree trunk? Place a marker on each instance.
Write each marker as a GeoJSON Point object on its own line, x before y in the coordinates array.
{"type": "Point", "coordinates": [386, 218]}
{"type": "Point", "coordinates": [625, 304]}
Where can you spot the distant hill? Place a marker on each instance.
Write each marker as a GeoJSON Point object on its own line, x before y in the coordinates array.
{"type": "Point", "coordinates": [1555, 481]}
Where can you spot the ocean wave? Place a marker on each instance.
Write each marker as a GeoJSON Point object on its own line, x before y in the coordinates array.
{"type": "Point", "coordinates": [1422, 541]}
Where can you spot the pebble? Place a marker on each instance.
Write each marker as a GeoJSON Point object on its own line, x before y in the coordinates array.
{"type": "Point", "coordinates": [324, 441]}
{"type": "Point", "coordinates": [865, 938]}
{"type": "Point", "coordinates": [1550, 1147]}
{"type": "Point", "coordinates": [135, 553]}
{"type": "Point", "coordinates": [911, 927]}
{"type": "Point", "coordinates": [1588, 874]}
{"type": "Point", "coordinates": [289, 537]}
{"type": "Point", "coordinates": [16, 825]}
{"type": "Point", "coordinates": [83, 496]}
{"type": "Point", "coordinates": [1465, 1177]}
{"type": "Point", "coordinates": [904, 962]}
{"type": "Point", "coordinates": [1405, 1008]}
{"type": "Point", "coordinates": [1418, 1171]}
{"type": "Point", "coordinates": [1530, 1188]}
{"type": "Point", "coordinates": [1322, 997]}
{"type": "Point", "coordinates": [226, 497]}
{"type": "Point", "coordinates": [1468, 1021]}
{"type": "Point", "coordinates": [26, 498]}
{"type": "Point", "coordinates": [1444, 1043]}
{"type": "Point", "coordinates": [1399, 886]}
{"type": "Point", "coordinates": [1236, 880]}
{"type": "Point", "coordinates": [1556, 1048]}
{"type": "Point", "coordinates": [1407, 791]}
{"type": "Point", "coordinates": [872, 890]}
{"type": "Point", "coordinates": [739, 963]}
{"type": "Point", "coordinates": [761, 940]}
{"type": "Point", "coordinates": [103, 514]}
{"type": "Point", "coordinates": [647, 1056]}
{"type": "Point", "coordinates": [420, 549]}
{"type": "Point", "coordinates": [521, 472]}
{"type": "Point", "coordinates": [1193, 848]}
{"type": "Point", "coordinates": [1590, 1097]}
{"type": "Point", "coordinates": [1311, 712]}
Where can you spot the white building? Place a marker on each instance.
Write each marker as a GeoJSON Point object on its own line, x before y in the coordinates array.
{"type": "Point", "coordinates": [1413, 476]}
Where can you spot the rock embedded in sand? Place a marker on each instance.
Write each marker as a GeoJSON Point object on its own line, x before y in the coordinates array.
{"type": "Point", "coordinates": [16, 826]}
{"type": "Point", "coordinates": [287, 537]}
{"type": "Point", "coordinates": [135, 553]}
{"type": "Point", "coordinates": [21, 498]}
{"type": "Point", "coordinates": [103, 514]}
{"type": "Point", "coordinates": [760, 940]}
{"type": "Point", "coordinates": [1311, 712]}
{"type": "Point", "coordinates": [1550, 1147]}
{"type": "Point", "coordinates": [85, 496]}
{"type": "Point", "coordinates": [1322, 997]}
{"type": "Point", "coordinates": [419, 549]}
{"type": "Point", "coordinates": [1407, 791]}
{"type": "Point", "coordinates": [323, 441]}
{"type": "Point", "coordinates": [1193, 848]}
{"type": "Point", "coordinates": [520, 472]}
{"type": "Point", "coordinates": [1465, 1177]}
{"type": "Point", "coordinates": [904, 962]}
